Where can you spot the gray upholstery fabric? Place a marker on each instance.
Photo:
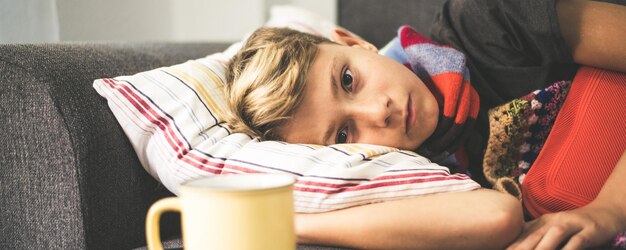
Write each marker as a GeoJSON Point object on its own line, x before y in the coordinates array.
{"type": "Point", "coordinates": [377, 21]}
{"type": "Point", "coordinates": [69, 178]}
{"type": "Point", "coordinates": [38, 205]}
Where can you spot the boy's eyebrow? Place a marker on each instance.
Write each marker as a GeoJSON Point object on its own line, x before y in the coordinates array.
{"type": "Point", "coordinates": [333, 87]}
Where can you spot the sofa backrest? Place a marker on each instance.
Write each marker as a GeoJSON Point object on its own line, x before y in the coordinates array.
{"type": "Point", "coordinates": [377, 21]}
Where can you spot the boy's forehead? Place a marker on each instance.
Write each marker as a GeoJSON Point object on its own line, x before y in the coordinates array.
{"type": "Point", "coordinates": [322, 62]}
{"type": "Point", "coordinates": [311, 120]}
{"type": "Point", "coordinates": [335, 52]}
{"type": "Point", "coordinates": [328, 56]}
{"type": "Point", "coordinates": [303, 128]}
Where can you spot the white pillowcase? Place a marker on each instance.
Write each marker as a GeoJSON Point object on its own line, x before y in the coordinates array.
{"type": "Point", "coordinates": [173, 118]}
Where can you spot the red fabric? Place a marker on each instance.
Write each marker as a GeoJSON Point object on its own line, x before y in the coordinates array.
{"type": "Point", "coordinates": [587, 140]}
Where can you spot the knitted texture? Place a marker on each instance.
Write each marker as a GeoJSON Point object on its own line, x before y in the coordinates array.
{"type": "Point", "coordinates": [517, 132]}
{"type": "Point", "coordinates": [444, 72]}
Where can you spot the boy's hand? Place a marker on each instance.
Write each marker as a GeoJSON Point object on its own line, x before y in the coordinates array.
{"type": "Point", "coordinates": [591, 226]}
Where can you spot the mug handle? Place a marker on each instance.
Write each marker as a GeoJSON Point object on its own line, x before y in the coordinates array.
{"type": "Point", "coordinates": [153, 237]}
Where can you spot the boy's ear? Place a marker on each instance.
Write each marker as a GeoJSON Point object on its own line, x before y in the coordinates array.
{"type": "Point", "coordinates": [344, 37]}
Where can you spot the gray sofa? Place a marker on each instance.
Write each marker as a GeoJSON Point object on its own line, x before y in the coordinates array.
{"type": "Point", "coordinates": [69, 178]}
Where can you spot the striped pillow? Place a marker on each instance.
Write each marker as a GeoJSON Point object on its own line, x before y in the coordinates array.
{"type": "Point", "coordinates": [173, 118]}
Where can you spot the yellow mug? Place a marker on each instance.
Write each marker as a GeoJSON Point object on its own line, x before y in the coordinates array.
{"type": "Point", "coordinates": [235, 211]}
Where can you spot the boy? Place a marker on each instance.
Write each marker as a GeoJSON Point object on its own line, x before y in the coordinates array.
{"type": "Point", "coordinates": [280, 73]}
{"type": "Point", "coordinates": [304, 89]}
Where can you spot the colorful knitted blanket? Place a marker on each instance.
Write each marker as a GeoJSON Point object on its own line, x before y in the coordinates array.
{"type": "Point", "coordinates": [517, 133]}
{"type": "Point", "coordinates": [444, 72]}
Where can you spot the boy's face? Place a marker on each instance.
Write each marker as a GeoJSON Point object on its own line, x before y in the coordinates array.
{"type": "Point", "coordinates": [354, 95]}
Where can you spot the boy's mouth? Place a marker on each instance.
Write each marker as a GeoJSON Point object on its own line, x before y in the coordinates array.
{"type": "Point", "coordinates": [410, 115]}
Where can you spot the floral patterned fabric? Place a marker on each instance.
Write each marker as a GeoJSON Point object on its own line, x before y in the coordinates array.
{"type": "Point", "coordinates": [518, 130]}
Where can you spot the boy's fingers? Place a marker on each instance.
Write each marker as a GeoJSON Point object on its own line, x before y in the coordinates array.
{"type": "Point", "coordinates": [578, 241]}
{"type": "Point", "coordinates": [530, 238]}
{"type": "Point", "coordinates": [528, 226]}
{"type": "Point", "coordinates": [588, 238]}
{"type": "Point", "coordinates": [556, 236]}
{"type": "Point", "coordinates": [552, 238]}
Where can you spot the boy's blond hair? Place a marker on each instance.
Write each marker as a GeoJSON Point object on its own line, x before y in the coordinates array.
{"type": "Point", "coordinates": [266, 79]}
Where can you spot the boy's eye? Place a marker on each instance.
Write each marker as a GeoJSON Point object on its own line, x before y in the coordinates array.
{"type": "Point", "coordinates": [342, 136]}
{"type": "Point", "coordinates": [346, 80]}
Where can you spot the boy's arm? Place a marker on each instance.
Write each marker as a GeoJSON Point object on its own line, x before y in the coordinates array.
{"type": "Point", "coordinates": [585, 227]}
{"type": "Point", "coordinates": [481, 219]}
{"type": "Point", "coordinates": [595, 32]}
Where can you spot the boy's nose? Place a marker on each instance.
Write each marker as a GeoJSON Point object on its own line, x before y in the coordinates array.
{"type": "Point", "coordinates": [375, 112]}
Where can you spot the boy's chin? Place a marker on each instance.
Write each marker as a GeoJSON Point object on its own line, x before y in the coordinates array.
{"type": "Point", "coordinates": [415, 148]}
